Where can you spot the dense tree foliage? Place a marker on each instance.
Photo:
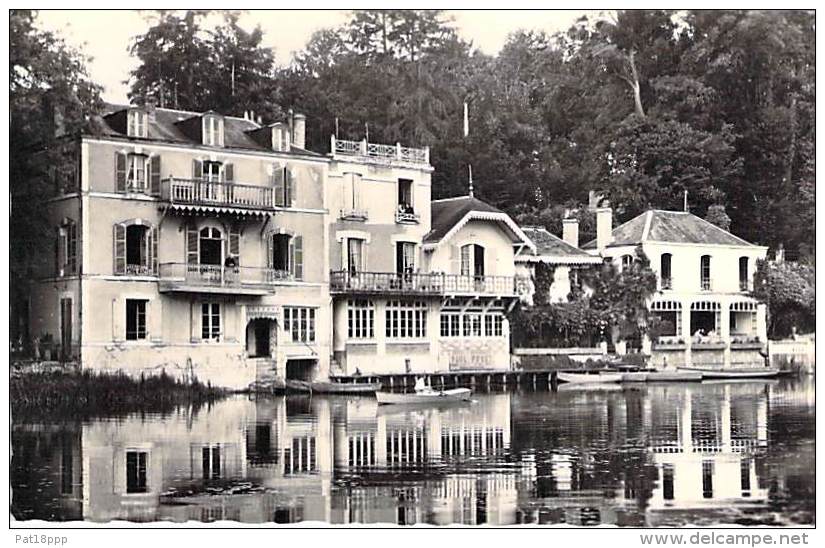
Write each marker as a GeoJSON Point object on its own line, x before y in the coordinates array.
{"type": "Point", "coordinates": [642, 105]}
{"type": "Point", "coordinates": [50, 94]}
{"type": "Point", "coordinates": [789, 289]}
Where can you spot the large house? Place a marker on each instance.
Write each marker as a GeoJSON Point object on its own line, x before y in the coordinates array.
{"type": "Point", "coordinates": [705, 275]}
{"type": "Point", "coordinates": [217, 248]}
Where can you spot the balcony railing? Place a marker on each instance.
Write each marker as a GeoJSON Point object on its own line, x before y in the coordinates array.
{"type": "Point", "coordinates": [343, 281]}
{"type": "Point", "coordinates": [353, 214]}
{"type": "Point", "coordinates": [210, 193]}
{"type": "Point", "coordinates": [377, 153]}
{"type": "Point", "coordinates": [183, 277]}
{"type": "Point", "coordinates": [406, 215]}
{"type": "Point", "coordinates": [667, 283]}
{"type": "Point", "coordinates": [744, 286]}
{"type": "Point", "coordinates": [706, 284]}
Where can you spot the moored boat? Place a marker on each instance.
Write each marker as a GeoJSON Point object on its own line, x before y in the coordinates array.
{"type": "Point", "coordinates": [599, 377]}
{"type": "Point", "coordinates": [424, 396]}
{"type": "Point", "coordinates": [734, 373]}
{"type": "Point", "coordinates": [333, 387]}
{"type": "Point", "coordinates": [680, 375]}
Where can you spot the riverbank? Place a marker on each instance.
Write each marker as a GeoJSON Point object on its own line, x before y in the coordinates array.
{"type": "Point", "coordinates": [84, 394]}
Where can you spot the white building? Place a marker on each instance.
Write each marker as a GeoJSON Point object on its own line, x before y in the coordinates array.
{"type": "Point", "coordinates": [705, 275]}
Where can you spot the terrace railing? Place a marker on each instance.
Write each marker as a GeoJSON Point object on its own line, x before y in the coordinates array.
{"type": "Point", "coordinates": [343, 281]}
{"type": "Point", "coordinates": [378, 153]}
{"type": "Point", "coordinates": [211, 193]}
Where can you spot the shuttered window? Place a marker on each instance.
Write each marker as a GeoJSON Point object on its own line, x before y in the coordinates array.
{"type": "Point", "coordinates": [296, 246]}
{"type": "Point", "coordinates": [66, 249]}
{"type": "Point", "coordinates": [135, 249]}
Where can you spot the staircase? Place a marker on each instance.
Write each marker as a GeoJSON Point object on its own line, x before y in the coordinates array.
{"type": "Point", "coordinates": [266, 376]}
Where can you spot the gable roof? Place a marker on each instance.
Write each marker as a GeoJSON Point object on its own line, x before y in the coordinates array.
{"type": "Point", "coordinates": [450, 214]}
{"type": "Point", "coordinates": [164, 127]}
{"type": "Point", "coordinates": [656, 225]}
{"type": "Point", "coordinates": [552, 249]}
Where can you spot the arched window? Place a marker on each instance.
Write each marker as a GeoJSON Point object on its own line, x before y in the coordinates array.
{"type": "Point", "coordinates": [665, 271]}
{"type": "Point", "coordinates": [210, 246]}
{"type": "Point", "coordinates": [744, 277]}
{"type": "Point", "coordinates": [704, 272]}
{"type": "Point", "coordinates": [136, 248]}
{"type": "Point", "coordinates": [627, 261]}
{"type": "Point", "coordinates": [472, 260]}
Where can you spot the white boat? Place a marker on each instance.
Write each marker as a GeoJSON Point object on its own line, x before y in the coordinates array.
{"type": "Point", "coordinates": [735, 372]}
{"type": "Point", "coordinates": [599, 377]}
{"type": "Point", "coordinates": [424, 396]}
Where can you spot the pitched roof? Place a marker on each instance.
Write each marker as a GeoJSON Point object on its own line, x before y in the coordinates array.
{"type": "Point", "coordinates": [448, 212]}
{"type": "Point", "coordinates": [550, 248]}
{"type": "Point", "coordinates": [163, 126]}
{"type": "Point", "coordinates": [656, 225]}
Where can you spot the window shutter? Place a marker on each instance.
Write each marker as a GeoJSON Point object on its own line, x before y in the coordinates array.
{"type": "Point", "coordinates": [235, 245]}
{"type": "Point", "coordinates": [120, 249]}
{"type": "Point", "coordinates": [455, 260]}
{"type": "Point", "coordinates": [191, 245]}
{"type": "Point", "coordinates": [228, 173]}
{"type": "Point", "coordinates": [296, 244]}
{"type": "Point", "coordinates": [154, 176]}
{"type": "Point", "coordinates": [153, 250]}
{"type": "Point", "coordinates": [57, 245]}
{"type": "Point", "coordinates": [278, 175]}
{"type": "Point", "coordinates": [72, 249]}
{"type": "Point", "coordinates": [197, 169]}
{"type": "Point", "coordinates": [293, 187]}
{"type": "Point", "coordinates": [120, 172]}
{"type": "Point", "coordinates": [153, 319]}
{"type": "Point", "coordinates": [289, 181]}
{"type": "Point", "coordinates": [270, 245]}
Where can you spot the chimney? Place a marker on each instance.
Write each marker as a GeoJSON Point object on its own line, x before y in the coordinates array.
{"type": "Point", "coordinates": [604, 227]}
{"type": "Point", "coordinates": [570, 231]}
{"type": "Point", "coordinates": [299, 129]}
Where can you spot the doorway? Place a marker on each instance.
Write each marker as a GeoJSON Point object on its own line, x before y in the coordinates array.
{"type": "Point", "coordinates": [259, 337]}
{"type": "Point", "coordinates": [66, 328]}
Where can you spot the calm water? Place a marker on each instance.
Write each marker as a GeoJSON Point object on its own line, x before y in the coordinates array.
{"type": "Point", "coordinates": [654, 455]}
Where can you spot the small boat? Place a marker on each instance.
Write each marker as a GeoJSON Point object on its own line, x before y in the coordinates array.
{"type": "Point", "coordinates": [333, 387]}
{"type": "Point", "coordinates": [635, 376]}
{"type": "Point", "coordinates": [598, 377]}
{"type": "Point", "coordinates": [735, 373]}
{"type": "Point", "coordinates": [424, 396]}
{"type": "Point", "coordinates": [680, 375]}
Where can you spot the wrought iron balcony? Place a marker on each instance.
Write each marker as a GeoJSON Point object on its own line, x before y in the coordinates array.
{"type": "Point", "coordinates": [392, 283]}
{"type": "Point", "coordinates": [744, 285]}
{"type": "Point", "coordinates": [206, 278]}
{"type": "Point", "coordinates": [406, 216]}
{"type": "Point", "coordinates": [706, 284]}
{"type": "Point", "coordinates": [379, 154]}
{"type": "Point", "coordinates": [353, 214]}
{"type": "Point", "coordinates": [666, 283]}
{"type": "Point", "coordinates": [198, 192]}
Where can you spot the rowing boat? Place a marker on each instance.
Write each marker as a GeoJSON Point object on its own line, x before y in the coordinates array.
{"type": "Point", "coordinates": [599, 377]}
{"type": "Point", "coordinates": [424, 396]}
{"type": "Point", "coordinates": [735, 373]}
{"type": "Point", "coordinates": [333, 387]}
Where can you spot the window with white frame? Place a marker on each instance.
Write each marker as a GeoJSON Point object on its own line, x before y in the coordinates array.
{"type": "Point", "coordinates": [360, 319]}
{"type": "Point", "coordinates": [355, 255]}
{"type": "Point", "coordinates": [406, 320]}
{"type": "Point", "coordinates": [404, 257]}
{"type": "Point", "coordinates": [211, 459]}
{"type": "Point", "coordinates": [299, 323]}
{"type": "Point", "coordinates": [137, 167]}
{"type": "Point", "coordinates": [211, 321]}
{"type": "Point", "coordinates": [213, 131]}
{"type": "Point", "coordinates": [472, 324]}
{"type": "Point", "coordinates": [66, 256]}
{"type": "Point", "coordinates": [136, 464]}
{"type": "Point", "coordinates": [137, 125]}
{"type": "Point", "coordinates": [136, 319]}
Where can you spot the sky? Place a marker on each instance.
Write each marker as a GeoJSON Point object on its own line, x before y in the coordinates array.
{"type": "Point", "coordinates": [105, 35]}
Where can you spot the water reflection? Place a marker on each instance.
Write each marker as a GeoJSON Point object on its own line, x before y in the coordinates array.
{"type": "Point", "coordinates": [652, 455]}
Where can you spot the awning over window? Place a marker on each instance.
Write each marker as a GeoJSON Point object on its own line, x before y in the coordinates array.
{"type": "Point", "coordinates": [706, 306]}
{"type": "Point", "coordinates": [666, 306]}
{"type": "Point", "coordinates": [263, 311]}
{"type": "Point", "coordinates": [744, 306]}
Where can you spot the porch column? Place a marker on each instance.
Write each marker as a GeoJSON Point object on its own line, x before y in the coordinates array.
{"type": "Point", "coordinates": [762, 323]}
{"type": "Point", "coordinates": [686, 334]}
{"type": "Point", "coordinates": [726, 420]}
{"type": "Point", "coordinates": [724, 329]}
{"type": "Point", "coordinates": [686, 424]}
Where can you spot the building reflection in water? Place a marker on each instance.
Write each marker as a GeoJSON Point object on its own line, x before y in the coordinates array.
{"type": "Point", "coordinates": [657, 455]}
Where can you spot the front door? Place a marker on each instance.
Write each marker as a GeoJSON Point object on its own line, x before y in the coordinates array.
{"type": "Point", "coordinates": [262, 330]}
{"type": "Point", "coordinates": [66, 328]}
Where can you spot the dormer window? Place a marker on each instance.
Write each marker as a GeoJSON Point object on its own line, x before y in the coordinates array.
{"type": "Point", "coordinates": [137, 123]}
{"type": "Point", "coordinates": [212, 130]}
{"type": "Point", "coordinates": [280, 138]}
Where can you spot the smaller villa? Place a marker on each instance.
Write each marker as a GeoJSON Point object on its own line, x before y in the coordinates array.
{"type": "Point", "coordinates": [707, 317]}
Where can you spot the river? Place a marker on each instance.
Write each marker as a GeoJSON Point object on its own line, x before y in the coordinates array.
{"type": "Point", "coordinates": [650, 455]}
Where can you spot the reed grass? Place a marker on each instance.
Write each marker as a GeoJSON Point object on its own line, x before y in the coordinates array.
{"type": "Point", "coordinates": [83, 394]}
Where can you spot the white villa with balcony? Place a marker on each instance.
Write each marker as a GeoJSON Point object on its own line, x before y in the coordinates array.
{"type": "Point", "coordinates": [217, 248]}
{"type": "Point", "coordinates": [705, 275]}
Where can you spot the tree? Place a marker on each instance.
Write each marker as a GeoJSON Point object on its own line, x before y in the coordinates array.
{"type": "Point", "coordinates": [50, 93]}
{"type": "Point", "coordinates": [789, 290]}
{"type": "Point", "coordinates": [716, 215]}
